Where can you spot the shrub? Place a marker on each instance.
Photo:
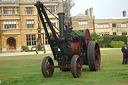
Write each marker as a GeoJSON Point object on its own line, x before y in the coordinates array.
{"type": "Point", "coordinates": [109, 38]}
{"type": "Point", "coordinates": [117, 44]}
{"type": "Point", "coordinates": [122, 38]}
{"type": "Point", "coordinates": [106, 41]}
{"type": "Point", "coordinates": [0, 50]}
{"type": "Point", "coordinates": [39, 47]}
{"type": "Point", "coordinates": [24, 48]}
{"type": "Point", "coordinates": [77, 32]}
{"type": "Point", "coordinates": [97, 38]}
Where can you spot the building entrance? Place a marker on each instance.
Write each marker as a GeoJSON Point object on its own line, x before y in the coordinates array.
{"type": "Point", "coordinates": [11, 43]}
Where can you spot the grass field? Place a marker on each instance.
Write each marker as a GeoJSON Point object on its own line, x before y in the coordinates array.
{"type": "Point", "coordinates": [26, 70]}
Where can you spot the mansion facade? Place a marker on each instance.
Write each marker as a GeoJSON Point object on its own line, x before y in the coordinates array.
{"type": "Point", "coordinates": [19, 22]}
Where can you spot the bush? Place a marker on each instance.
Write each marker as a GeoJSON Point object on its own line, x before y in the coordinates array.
{"type": "Point", "coordinates": [109, 38]}
{"type": "Point", "coordinates": [97, 38]}
{"type": "Point", "coordinates": [39, 47]}
{"type": "Point", "coordinates": [0, 50]}
{"type": "Point", "coordinates": [77, 32]}
{"type": "Point", "coordinates": [24, 48]}
{"type": "Point", "coordinates": [122, 38]}
{"type": "Point", "coordinates": [106, 41]}
{"type": "Point", "coordinates": [117, 44]}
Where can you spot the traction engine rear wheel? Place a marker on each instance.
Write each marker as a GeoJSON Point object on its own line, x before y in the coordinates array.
{"type": "Point", "coordinates": [47, 67]}
{"type": "Point", "coordinates": [93, 56]}
{"type": "Point", "coordinates": [76, 66]}
{"type": "Point", "coordinates": [86, 38]}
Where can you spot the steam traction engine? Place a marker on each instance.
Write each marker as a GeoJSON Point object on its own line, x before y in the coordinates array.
{"type": "Point", "coordinates": [70, 51]}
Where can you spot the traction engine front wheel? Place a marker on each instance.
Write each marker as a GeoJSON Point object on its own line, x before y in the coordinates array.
{"type": "Point", "coordinates": [47, 67]}
{"type": "Point", "coordinates": [76, 66]}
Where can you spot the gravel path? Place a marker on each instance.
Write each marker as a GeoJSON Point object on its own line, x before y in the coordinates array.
{"type": "Point", "coordinates": [40, 52]}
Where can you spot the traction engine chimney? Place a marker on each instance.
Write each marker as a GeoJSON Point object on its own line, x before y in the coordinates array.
{"type": "Point", "coordinates": [61, 25]}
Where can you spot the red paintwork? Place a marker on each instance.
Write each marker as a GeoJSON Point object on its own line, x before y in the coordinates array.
{"type": "Point", "coordinates": [75, 49]}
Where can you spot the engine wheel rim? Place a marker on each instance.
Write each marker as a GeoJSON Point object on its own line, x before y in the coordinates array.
{"type": "Point", "coordinates": [78, 67]}
{"type": "Point", "coordinates": [97, 56]}
{"type": "Point", "coordinates": [86, 37]}
{"type": "Point", "coordinates": [49, 67]}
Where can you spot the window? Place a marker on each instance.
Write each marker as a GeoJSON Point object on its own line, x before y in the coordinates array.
{"type": "Point", "coordinates": [123, 25]}
{"type": "Point", "coordinates": [30, 24]}
{"type": "Point", "coordinates": [51, 9]}
{"type": "Point", "coordinates": [103, 25]}
{"type": "Point", "coordinates": [83, 22]}
{"type": "Point", "coordinates": [9, 24]}
{"type": "Point", "coordinates": [52, 21]}
{"type": "Point", "coordinates": [114, 33]}
{"type": "Point", "coordinates": [31, 40]}
{"type": "Point", "coordinates": [124, 33]}
{"type": "Point", "coordinates": [104, 33]}
{"type": "Point", "coordinates": [29, 10]}
{"type": "Point", "coordinates": [10, 10]}
{"type": "Point", "coordinates": [114, 25]}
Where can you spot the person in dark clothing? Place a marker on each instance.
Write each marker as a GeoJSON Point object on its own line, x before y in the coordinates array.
{"type": "Point", "coordinates": [125, 53]}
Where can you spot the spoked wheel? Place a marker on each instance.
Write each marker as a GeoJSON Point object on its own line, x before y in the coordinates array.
{"type": "Point", "coordinates": [93, 56]}
{"type": "Point", "coordinates": [76, 66]}
{"type": "Point", "coordinates": [47, 67]}
{"type": "Point", "coordinates": [86, 38]}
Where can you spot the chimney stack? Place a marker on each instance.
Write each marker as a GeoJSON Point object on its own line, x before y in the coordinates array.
{"type": "Point", "coordinates": [124, 13]}
{"type": "Point", "coordinates": [91, 11]}
{"type": "Point", "coordinates": [87, 12]}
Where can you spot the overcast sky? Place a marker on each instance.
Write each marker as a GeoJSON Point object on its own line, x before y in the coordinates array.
{"type": "Point", "coordinates": [101, 8]}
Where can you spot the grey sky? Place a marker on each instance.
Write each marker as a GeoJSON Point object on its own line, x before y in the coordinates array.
{"type": "Point", "coordinates": [101, 8]}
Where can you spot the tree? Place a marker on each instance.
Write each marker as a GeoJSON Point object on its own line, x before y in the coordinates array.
{"type": "Point", "coordinates": [97, 38]}
{"type": "Point", "coordinates": [77, 32]}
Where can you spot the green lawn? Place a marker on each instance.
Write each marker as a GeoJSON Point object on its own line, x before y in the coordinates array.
{"type": "Point", "coordinates": [26, 70]}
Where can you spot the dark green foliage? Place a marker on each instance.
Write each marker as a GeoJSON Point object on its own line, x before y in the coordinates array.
{"type": "Point", "coordinates": [97, 38]}
{"type": "Point", "coordinates": [0, 50]}
{"type": "Point", "coordinates": [122, 38]}
{"type": "Point", "coordinates": [39, 47]}
{"type": "Point", "coordinates": [109, 38]}
{"type": "Point", "coordinates": [24, 48]}
{"type": "Point", "coordinates": [116, 44]}
{"type": "Point", "coordinates": [77, 32]}
{"type": "Point", "coordinates": [104, 41]}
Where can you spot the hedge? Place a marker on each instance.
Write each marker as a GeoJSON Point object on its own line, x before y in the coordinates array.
{"type": "Point", "coordinates": [24, 48]}
{"type": "Point", "coordinates": [117, 44]}
{"type": "Point", "coordinates": [104, 41]}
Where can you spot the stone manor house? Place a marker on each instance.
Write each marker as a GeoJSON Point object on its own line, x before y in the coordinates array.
{"type": "Point", "coordinates": [18, 21]}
